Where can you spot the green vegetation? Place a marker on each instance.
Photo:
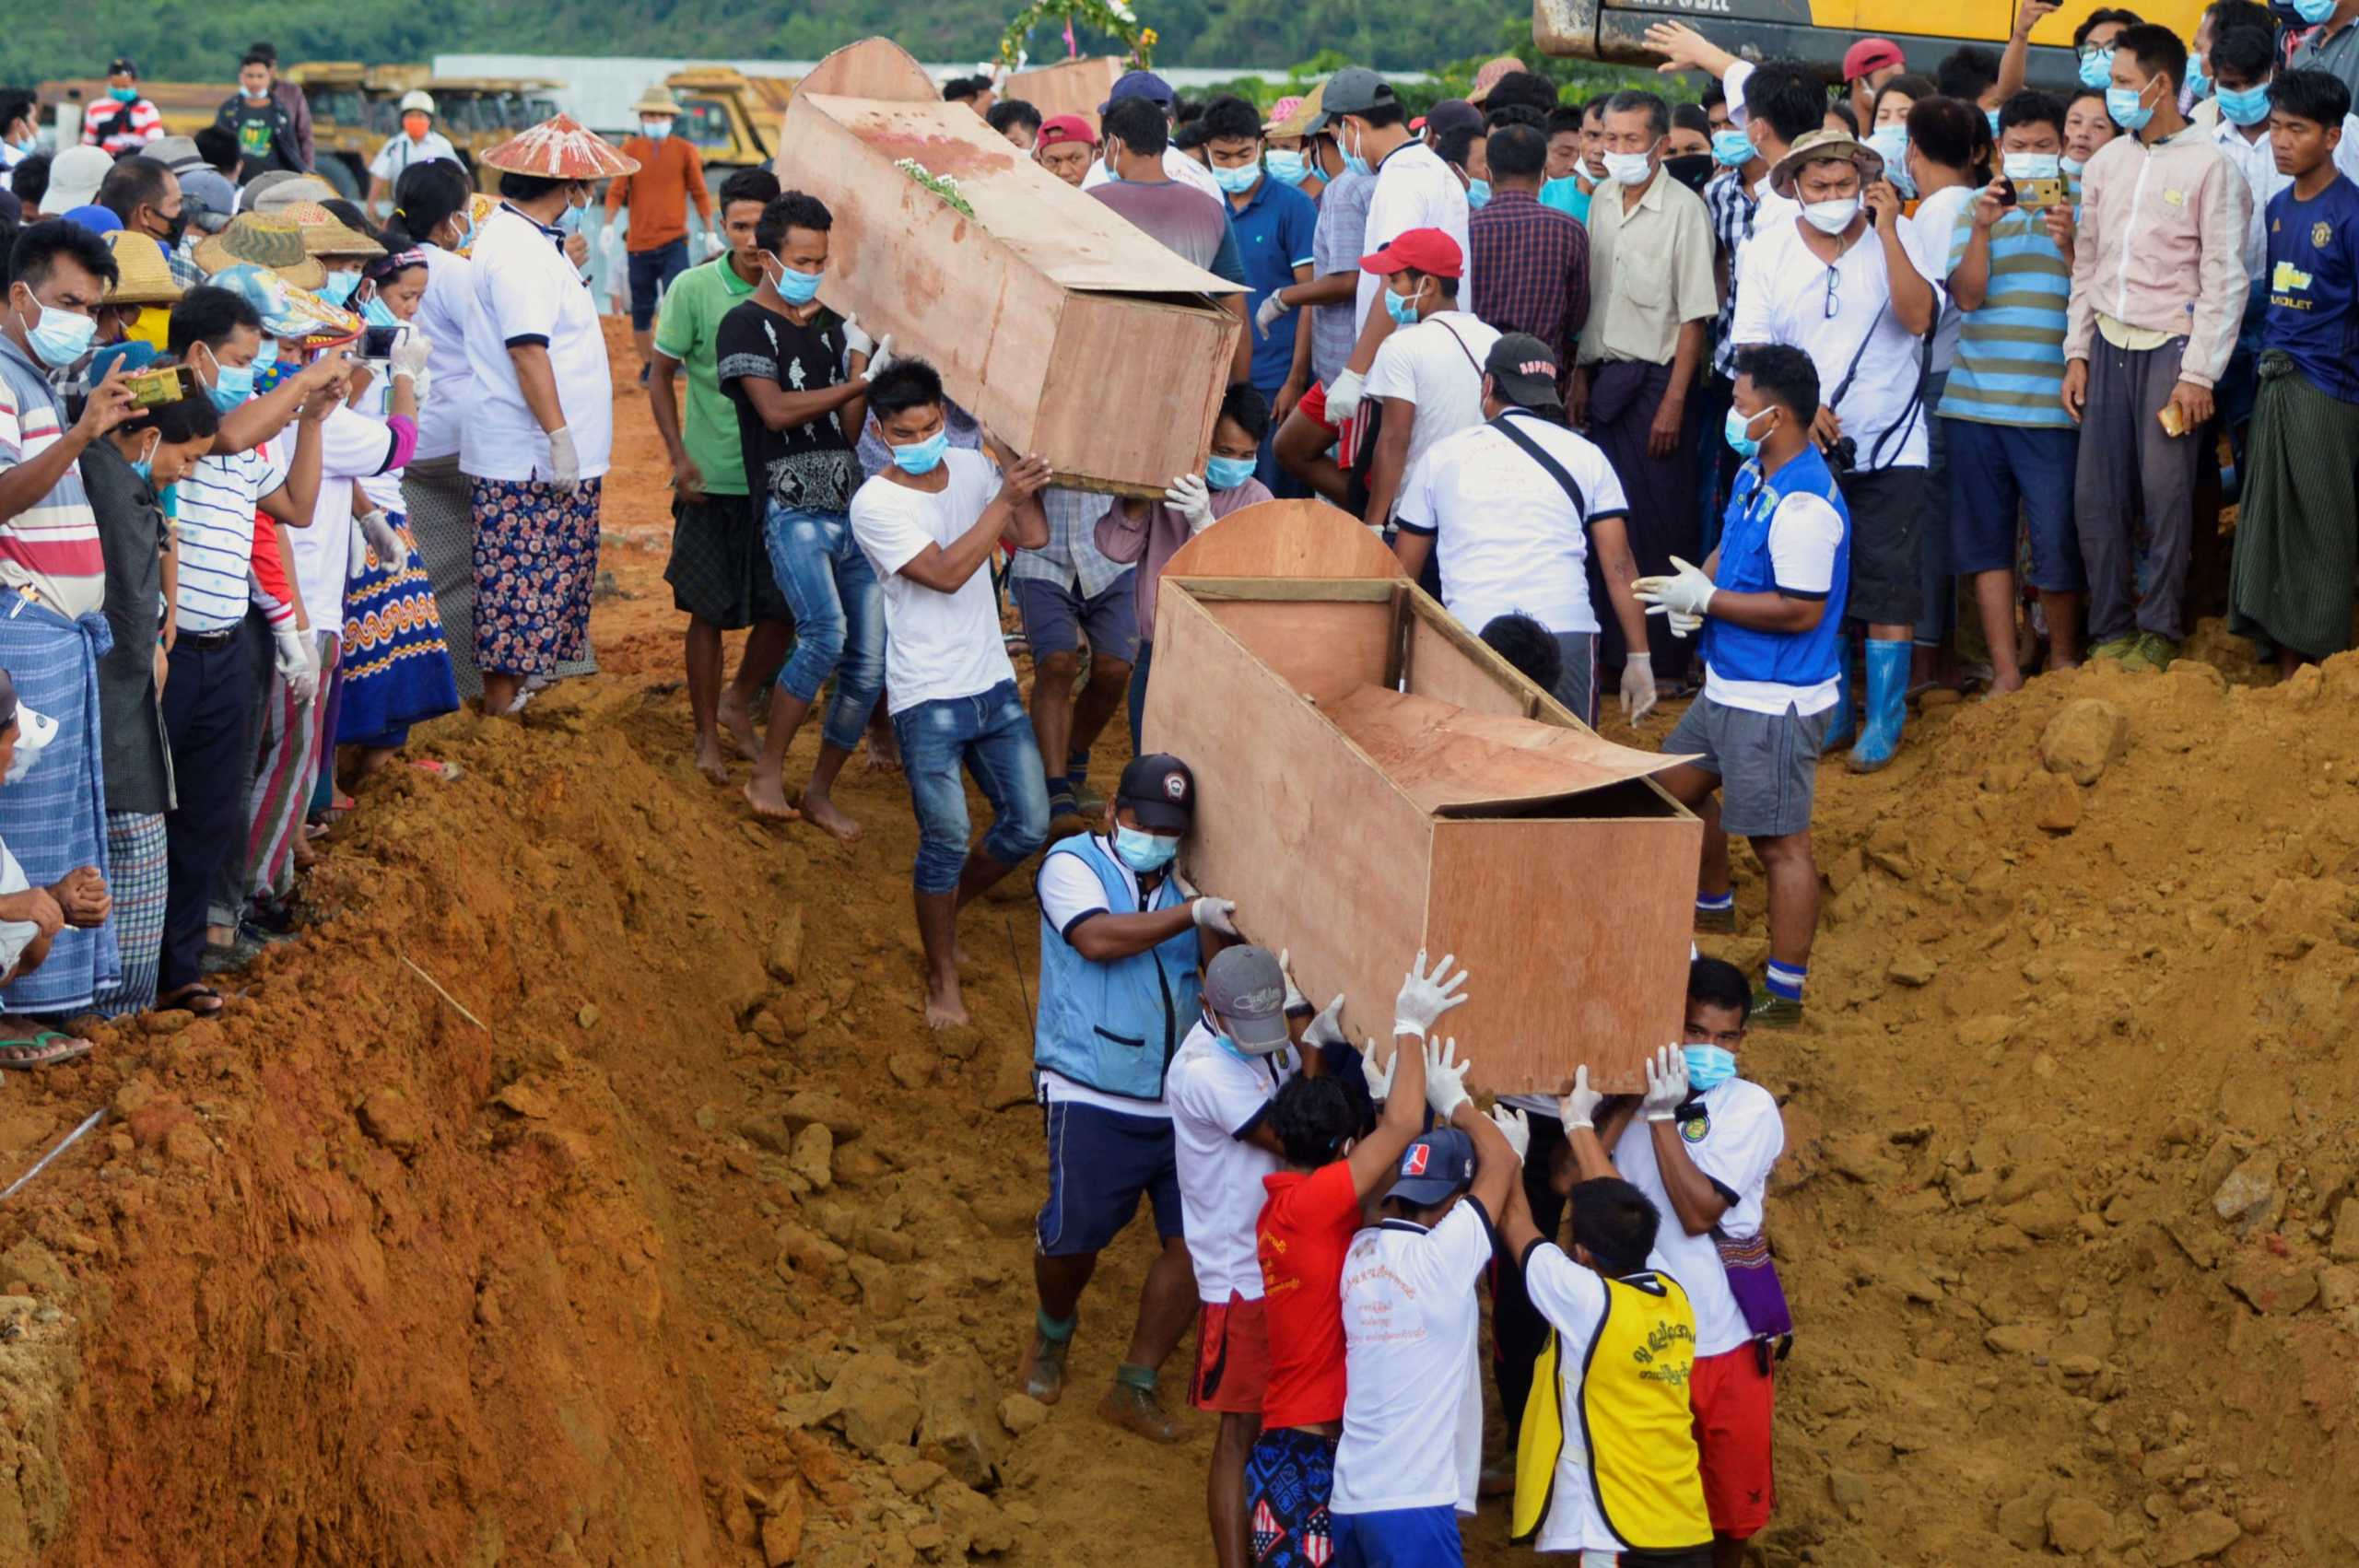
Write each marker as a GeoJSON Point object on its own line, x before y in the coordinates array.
{"type": "Point", "coordinates": [201, 39]}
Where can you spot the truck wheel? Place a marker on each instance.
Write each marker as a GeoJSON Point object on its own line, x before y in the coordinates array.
{"type": "Point", "coordinates": [344, 171]}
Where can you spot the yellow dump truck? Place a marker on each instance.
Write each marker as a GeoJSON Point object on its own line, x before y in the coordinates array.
{"type": "Point", "coordinates": [734, 119]}
{"type": "Point", "coordinates": [356, 108]}
{"type": "Point", "coordinates": [1817, 31]}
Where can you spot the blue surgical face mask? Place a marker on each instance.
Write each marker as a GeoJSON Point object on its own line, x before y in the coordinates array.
{"type": "Point", "coordinates": [1731, 148]}
{"type": "Point", "coordinates": [922, 457]}
{"type": "Point", "coordinates": [2030, 165]}
{"type": "Point", "coordinates": [1992, 115]}
{"type": "Point", "coordinates": [656, 129]}
{"type": "Point", "coordinates": [1284, 167]}
{"type": "Point", "coordinates": [2128, 109]}
{"type": "Point", "coordinates": [1401, 308]}
{"type": "Point", "coordinates": [339, 286]}
{"type": "Point", "coordinates": [232, 384]}
{"type": "Point", "coordinates": [1891, 143]}
{"type": "Point", "coordinates": [1737, 429]}
{"type": "Point", "coordinates": [145, 466]}
{"type": "Point", "coordinates": [1709, 1066]}
{"type": "Point", "coordinates": [377, 313]}
{"type": "Point", "coordinates": [2071, 165]}
{"type": "Point", "coordinates": [58, 337]}
{"type": "Point", "coordinates": [1478, 193]}
{"type": "Point", "coordinates": [2246, 107]}
{"type": "Point", "coordinates": [2199, 80]}
{"type": "Point", "coordinates": [28, 147]}
{"type": "Point", "coordinates": [1144, 851]}
{"type": "Point", "coordinates": [2096, 65]}
{"type": "Point", "coordinates": [2314, 11]}
{"type": "Point", "coordinates": [1228, 473]}
{"type": "Point", "coordinates": [794, 287]}
{"type": "Point", "coordinates": [131, 95]}
{"type": "Point", "coordinates": [1353, 162]}
{"type": "Point", "coordinates": [568, 221]}
{"type": "Point", "coordinates": [1238, 181]}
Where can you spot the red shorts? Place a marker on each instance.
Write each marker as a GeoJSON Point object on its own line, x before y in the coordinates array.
{"type": "Point", "coordinates": [1732, 1400]}
{"type": "Point", "coordinates": [1313, 404]}
{"type": "Point", "coordinates": [1232, 1358]}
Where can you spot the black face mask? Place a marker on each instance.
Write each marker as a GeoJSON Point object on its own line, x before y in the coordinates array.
{"type": "Point", "coordinates": [1690, 168]}
{"type": "Point", "coordinates": [174, 227]}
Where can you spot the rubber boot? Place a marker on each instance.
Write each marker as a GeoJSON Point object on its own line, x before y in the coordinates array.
{"type": "Point", "coordinates": [1887, 706]}
{"type": "Point", "coordinates": [1841, 732]}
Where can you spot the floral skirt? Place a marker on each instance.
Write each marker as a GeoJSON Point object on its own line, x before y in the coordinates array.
{"type": "Point", "coordinates": [536, 564]}
{"type": "Point", "coordinates": [396, 669]}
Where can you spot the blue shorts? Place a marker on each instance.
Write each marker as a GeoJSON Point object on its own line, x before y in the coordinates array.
{"type": "Point", "coordinates": [1099, 1161]}
{"type": "Point", "coordinates": [1056, 617]}
{"type": "Point", "coordinates": [1398, 1538]}
{"type": "Point", "coordinates": [652, 272]}
{"type": "Point", "coordinates": [1996, 468]}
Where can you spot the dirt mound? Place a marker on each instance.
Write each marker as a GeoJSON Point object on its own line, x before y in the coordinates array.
{"type": "Point", "coordinates": [685, 1242]}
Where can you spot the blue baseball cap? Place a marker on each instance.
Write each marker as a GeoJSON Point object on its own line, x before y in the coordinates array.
{"type": "Point", "coordinates": [1433, 1167]}
{"type": "Point", "coordinates": [1142, 84]}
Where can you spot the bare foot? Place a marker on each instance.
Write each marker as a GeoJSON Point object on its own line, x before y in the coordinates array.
{"type": "Point", "coordinates": [821, 812]}
{"type": "Point", "coordinates": [944, 1008]}
{"type": "Point", "coordinates": [882, 751]}
{"type": "Point", "coordinates": [768, 798]}
{"type": "Point", "coordinates": [737, 724]}
{"type": "Point", "coordinates": [711, 762]}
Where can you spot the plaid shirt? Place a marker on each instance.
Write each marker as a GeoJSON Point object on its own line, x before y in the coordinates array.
{"type": "Point", "coordinates": [1531, 270]}
{"type": "Point", "coordinates": [1730, 202]}
{"type": "Point", "coordinates": [181, 260]}
{"type": "Point", "coordinates": [1072, 555]}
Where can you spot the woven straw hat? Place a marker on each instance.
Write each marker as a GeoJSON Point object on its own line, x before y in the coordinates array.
{"type": "Point", "coordinates": [560, 149]}
{"type": "Point", "coordinates": [325, 234]}
{"type": "Point", "coordinates": [656, 100]}
{"type": "Point", "coordinates": [270, 242]}
{"type": "Point", "coordinates": [143, 278]}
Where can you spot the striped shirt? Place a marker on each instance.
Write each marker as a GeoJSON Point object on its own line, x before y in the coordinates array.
{"type": "Point", "coordinates": [1070, 558]}
{"type": "Point", "coordinates": [215, 530]}
{"type": "Point", "coordinates": [52, 547]}
{"type": "Point", "coordinates": [2010, 364]}
{"type": "Point", "coordinates": [127, 126]}
{"type": "Point", "coordinates": [1730, 202]}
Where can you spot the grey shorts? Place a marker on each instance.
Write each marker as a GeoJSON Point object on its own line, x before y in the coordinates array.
{"type": "Point", "coordinates": [1767, 763]}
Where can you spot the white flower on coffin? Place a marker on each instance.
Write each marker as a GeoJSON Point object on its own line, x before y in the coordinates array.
{"type": "Point", "coordinates": [1121, 8]}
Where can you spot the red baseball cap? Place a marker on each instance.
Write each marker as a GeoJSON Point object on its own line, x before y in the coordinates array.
{"type": "Point", "coordinates": [1871, 54]}
{"type": "Point", "coordinates": [1422, 250]}
{"type": "Point", "coordinates": [1059, 128]}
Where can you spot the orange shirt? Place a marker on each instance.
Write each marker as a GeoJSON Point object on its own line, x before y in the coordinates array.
{"type": "Point", "coordinates": [669, 176]}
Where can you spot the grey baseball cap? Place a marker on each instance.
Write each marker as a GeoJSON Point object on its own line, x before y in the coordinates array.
{"type": "Point", "coordinates": [1355, 89]}
{"type": "Point", "coordinates": [1246, 990]}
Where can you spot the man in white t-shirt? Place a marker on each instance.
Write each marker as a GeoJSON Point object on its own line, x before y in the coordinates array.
{"type": "Point", "coordinates": [1848, 283]}
{"type": "Point", "coordinates": [1512, 533]}
{"type": "Point", "coordinates": [1122, 944]}
{"type": "Point", "coordinates": [1700, 1147]}
{"type": "Point", "coordinates": [1407, 1464]}
{"type": "Point", "coordinates": [1414, 188]}
{"type": "Point", "coordinates": [1219, 1088]}
{"type": "Point", "coordinates": [928, 524]}
{"type": "Point", "coordinates": [1426, 379]}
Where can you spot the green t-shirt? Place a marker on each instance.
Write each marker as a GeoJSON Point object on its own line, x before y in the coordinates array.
{"type": "Point", "coordinates": [687, 331]}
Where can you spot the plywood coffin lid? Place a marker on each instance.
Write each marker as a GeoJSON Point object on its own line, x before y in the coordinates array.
{"type": "Point", "coordinates": [1458, 763]}
{"type": "Point", "coordinates": [1066, 236]}
{"type": "Point", "coordinates": [875, 67]}
{"type": "Point", "coordinates": [1295, 539]}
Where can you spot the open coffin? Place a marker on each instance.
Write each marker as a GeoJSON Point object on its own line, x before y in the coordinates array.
{"type": "Point", "coordinates": [1372, 779]}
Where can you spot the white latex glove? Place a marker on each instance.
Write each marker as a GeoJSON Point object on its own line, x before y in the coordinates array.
{"type": "Point", "coordinates": [1666, 1084]}
{"type": "Point", "coordinates": [383, 540]}
{"type": "Point", "coordinates": [880, 359]}
{"type": "Point", "coordinates": [1579, 1107]}
{"type": "Point", "coordinates": [1515, 1126]}
{"type": "Point", "coordinates": [409, 355]}
{"type": "Point", "coordinates": [709, 244]}
{"type": "Point", "coordinates": [1326, 1028]}
{"type": "Point", "coordinates": [1444, 1079]}
{"type": "Point", "coordinates": [1214, 915]}
{"type": "Point", "coordinates": [1638, 687]}
{"type": "Point", "coordinates": [1379, 1079]}
{"type": "Point", "coordinates": [1426, 994]}
{"type": "Point", "coordinates": [298, 660]}
{"type": "Point", "coordinates": [610, 245]}
{"type": "Point", "coordinates": [857, 341]}
{"type": "Point", "coordinates": [1343, 396]}
{"type": "Point", "coordinates": [1687, 592]}
{"type": "Point", "coordinates": [565, 464]}
{"type": "Point", "coordinates": [1682, 624]}
{"type": "Point", "coordinates": [1295, 999]}
{"type": "Point", "coordinates": [1271, 308]}
{"type": "Point", "coordinates": [1191, 498]}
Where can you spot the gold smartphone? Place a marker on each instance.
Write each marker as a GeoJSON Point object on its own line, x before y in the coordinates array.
{"type": "Point", "coordinates": [2039, 194]}
{"type": "Point", "coordinates": [171, 383]}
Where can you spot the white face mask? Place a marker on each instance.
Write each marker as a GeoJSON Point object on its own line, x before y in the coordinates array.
{"type": "Point", "coordinates": [1831, 217]}
{"type": "Point", "coordinates": [1631, 167]}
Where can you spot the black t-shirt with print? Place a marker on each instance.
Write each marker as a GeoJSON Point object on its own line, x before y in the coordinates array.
{"type": "Point", "coordinates": [810, 467]}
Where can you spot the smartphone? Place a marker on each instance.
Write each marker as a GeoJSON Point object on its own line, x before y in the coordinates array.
{"type": "Point", "coordinates": [171, 383]}
{"type": "Point", "coordinates": [2037, 194]}
{"type": "Point", "coordinates": [377, 343]}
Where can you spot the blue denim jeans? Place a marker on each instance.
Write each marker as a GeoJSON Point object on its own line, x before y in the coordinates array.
{"type": "Point", "coordinates": [839, 616]}
{"type": "Point", "coordinates": [990, 734]}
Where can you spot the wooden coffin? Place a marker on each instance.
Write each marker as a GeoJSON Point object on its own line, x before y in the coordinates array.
{"type": "Point", "coordinates": [1045, 311]}
{"type": "Point", "coordinates": [1372, 779]}
{"type": "Point", "coordinates": [1069, 87]}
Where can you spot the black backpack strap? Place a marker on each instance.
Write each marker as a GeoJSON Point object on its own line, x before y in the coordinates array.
{"type": "Point", "coordinates": [1542, 456]}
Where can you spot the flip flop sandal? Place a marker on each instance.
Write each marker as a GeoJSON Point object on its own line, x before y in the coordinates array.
{"type": "Point", "coordinates": [449, 772]}
{"type": "Point", "coordinates": [202, 1000]}
{"type": "Point", "coordinates": [45, 1048]}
